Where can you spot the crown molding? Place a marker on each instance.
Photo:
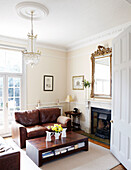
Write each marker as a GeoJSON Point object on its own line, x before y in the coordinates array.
{"type": "Point", "coordinates": [23, 43]}
{"type": "Point", "coordinates": [111, 33]}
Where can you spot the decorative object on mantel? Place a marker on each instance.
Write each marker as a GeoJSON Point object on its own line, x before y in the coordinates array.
{"type": "Point", "coordinates": [48, 83]}
{"type": "Point", "coordinates": [101, 86]}
{"type": "Point", "coordinates": [69, 99]}
{"type": "Point", "coordinates": [86, 85]}
{"type": "Point", "coordinates": [31, 10]}
{"type": "Point", "coordinates": [77, 82]}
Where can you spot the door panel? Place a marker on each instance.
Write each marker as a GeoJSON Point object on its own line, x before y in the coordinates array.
{"type": "Point", "coordinates": [10, 101]}
{"type": "Point", "coordinates": [121, 100]}
{"type": "Point", "coordinates": [14, 97]}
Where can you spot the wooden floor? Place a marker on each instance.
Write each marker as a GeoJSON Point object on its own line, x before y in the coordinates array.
{"type": "Point", "coordinates": [119, 167]}
{"type": "Point", "coordinates": [98, 143]}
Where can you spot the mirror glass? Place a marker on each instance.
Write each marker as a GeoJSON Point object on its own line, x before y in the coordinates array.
{"type": "Point", "coordinates": [102, 76]}
{"type": "Point", "coordinates": [101, 73]}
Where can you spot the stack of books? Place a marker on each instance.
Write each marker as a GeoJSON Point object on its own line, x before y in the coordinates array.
{"type": "Point", "coordinates": [47, 154]}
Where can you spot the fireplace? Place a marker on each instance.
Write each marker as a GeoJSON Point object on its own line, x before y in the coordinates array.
{"type": "Point", "coordinates": [100, 122]}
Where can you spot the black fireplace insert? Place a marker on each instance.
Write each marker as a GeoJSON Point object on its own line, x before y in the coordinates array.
{"type": "Point", "coordinates": [100, 122]}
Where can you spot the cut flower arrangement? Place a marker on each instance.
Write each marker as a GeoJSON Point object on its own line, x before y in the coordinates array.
{"type": "Point", "coordinates": [57, 128]}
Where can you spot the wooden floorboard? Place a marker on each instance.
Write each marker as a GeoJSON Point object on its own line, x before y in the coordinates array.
{"type": "Point", "coordinates": [119, 167]}
{"type": "Point", "coordinates": [98, 143]}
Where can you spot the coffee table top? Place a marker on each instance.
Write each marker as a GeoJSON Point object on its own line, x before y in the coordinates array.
{"type": "Point", "coordinates": [42, 144]}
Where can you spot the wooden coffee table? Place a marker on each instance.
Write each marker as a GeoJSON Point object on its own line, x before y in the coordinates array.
{"type": "Point", "coordinates": [41, 151]}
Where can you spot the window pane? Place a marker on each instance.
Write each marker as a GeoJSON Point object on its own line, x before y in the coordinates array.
{"type": "Point", "coordinates": [17, 92]}
{"type": "Point", "coordinates": [11, 103]}
{"type": "Point", "coordinates": [10, 82]}
{"type": "Point", "coordinates": [1, 82]}
{"type": "Point", "coordinates": [10, 61]}
{"type": "Point", "coordinates": [10, 92]}
{"type": "Point", "coordinates": [0, 92]}
{"type": "Point", "coordinates": [1, 103]}
{"type": "Point", "coordinates": [17, 82]}
{"type": "Point", "coordinates": [17, 100]}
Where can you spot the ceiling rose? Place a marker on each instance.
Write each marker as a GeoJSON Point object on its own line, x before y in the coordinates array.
{"type": "Point", "coordinates": [24, 10]}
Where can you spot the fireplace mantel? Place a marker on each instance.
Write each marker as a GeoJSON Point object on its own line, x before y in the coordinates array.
{"type": "Point", "coordinates": [100, 103]}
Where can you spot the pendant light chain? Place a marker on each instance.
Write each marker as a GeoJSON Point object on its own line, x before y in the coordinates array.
{"type": "Point", "coordinates": [32, 22]}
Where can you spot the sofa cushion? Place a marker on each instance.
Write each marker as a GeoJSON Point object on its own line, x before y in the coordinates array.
{"type": "Point", "coordinates": [35, 131]}
{"type": "Point", "coordinates": [49, 115]}
{"type": "Point", "coordinates": [63, 120]}
{"type": "Point", "coordinates": [27, 118]}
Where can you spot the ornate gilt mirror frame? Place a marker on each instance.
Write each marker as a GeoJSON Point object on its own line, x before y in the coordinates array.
{"type": "Point", "coordinates": [101, 52]}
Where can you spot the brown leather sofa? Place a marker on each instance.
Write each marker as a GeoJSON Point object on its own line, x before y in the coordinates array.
{"type": "Point", "coordinates": [9, 158]}
{"type": "Point", "coordinates": [34, 123]}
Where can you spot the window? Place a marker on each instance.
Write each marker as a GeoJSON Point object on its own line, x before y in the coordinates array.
{"type": "Point", "coordinates": [10, 61]}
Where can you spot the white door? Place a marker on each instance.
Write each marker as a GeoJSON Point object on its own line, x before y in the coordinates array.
{"type": "Point", "coordinates": [12, 85]}
{"type": "Point", "coordinates": [10, 101]}
{"type": "Point", "coordinates": [121, 99]}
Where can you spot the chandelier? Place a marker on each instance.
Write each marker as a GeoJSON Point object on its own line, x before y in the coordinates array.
{"type": "Point", "coordinates": [31, 55]}
{"type": "Point", "coordinates": [31, 10]}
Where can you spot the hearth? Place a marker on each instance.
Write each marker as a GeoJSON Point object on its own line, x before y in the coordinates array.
{"type": "Point", "coordinates": [100, 122]}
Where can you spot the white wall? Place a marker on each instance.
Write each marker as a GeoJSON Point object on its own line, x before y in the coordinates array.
{"type": "Point", "coordinates": [79, 63]}
{"type": "Point", "coordinates": [62, 66]}
{"type": "Point", "coordinates": [52, 62]}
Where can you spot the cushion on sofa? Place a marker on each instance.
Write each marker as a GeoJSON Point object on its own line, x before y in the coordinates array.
{"type": "Point", "coordinates": [27, 118]}
{"type": "Point", "coordinates": [49, 115]}
{"type": "Point", "coordinates": [35, 131]}
{"type": "Point", "coordinates": [63, 119]}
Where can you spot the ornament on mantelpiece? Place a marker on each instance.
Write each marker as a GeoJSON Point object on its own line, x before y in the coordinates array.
{"type": "Point", "coordinates": [86, 85]}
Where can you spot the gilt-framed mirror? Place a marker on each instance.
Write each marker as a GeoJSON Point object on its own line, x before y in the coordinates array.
{"type": "Point", "coordinates": [101, 86]}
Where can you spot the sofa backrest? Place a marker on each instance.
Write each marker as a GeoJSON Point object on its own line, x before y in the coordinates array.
{"type": "Point", "coordinates": [49, 115]}
{"type": "Point", "coordinates": [27, 118]}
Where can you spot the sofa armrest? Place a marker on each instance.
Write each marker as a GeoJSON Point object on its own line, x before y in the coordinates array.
{"type": "Point", "coordinates": [19, 134]}
{"type": "Point", "coordinates": [66, 121]}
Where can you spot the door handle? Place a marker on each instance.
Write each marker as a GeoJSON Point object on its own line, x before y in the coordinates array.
{"type": "Point", "coordinates": [111, 121]}
{"type": "Point", "coordinates": [6, 105]}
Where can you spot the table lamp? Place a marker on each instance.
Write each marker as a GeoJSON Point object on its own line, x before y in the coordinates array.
{"type": "Point", "coordinates": [69, 99]}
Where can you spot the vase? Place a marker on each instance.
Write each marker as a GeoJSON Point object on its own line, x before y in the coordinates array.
{"type": "Point", "coordinates": [86, 93]}
{"type": "Point", "coordinates": [48, 136]}
{"type": "Point", "coordinates": [63, 133]}
{"type": "Point", "coordinates": [57, 134]}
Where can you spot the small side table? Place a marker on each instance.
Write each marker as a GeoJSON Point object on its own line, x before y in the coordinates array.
{"type": "Point", "coordinates": [76, 119]}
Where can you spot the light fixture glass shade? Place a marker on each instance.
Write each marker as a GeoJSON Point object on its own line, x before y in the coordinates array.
{"type": "Point", "coordinates": [69, 98]}
{"type": "Point", "coordinates": [31, 56]}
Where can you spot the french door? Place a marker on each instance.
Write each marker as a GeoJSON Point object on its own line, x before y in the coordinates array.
{"type": "Point", "coordinates": [10, 100]}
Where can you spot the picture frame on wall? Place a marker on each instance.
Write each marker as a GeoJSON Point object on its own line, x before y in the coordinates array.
{"type": "Point", "coordinates": [48, 83]}
{"type": "Point", "coordinates": [77, 82]}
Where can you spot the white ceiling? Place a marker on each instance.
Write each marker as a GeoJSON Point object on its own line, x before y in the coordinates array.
{"type": "Point", "coordinates": [68, 21]}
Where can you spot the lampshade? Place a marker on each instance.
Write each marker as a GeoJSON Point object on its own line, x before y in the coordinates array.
{"type": "Point", "coordinates": [69, 98]}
